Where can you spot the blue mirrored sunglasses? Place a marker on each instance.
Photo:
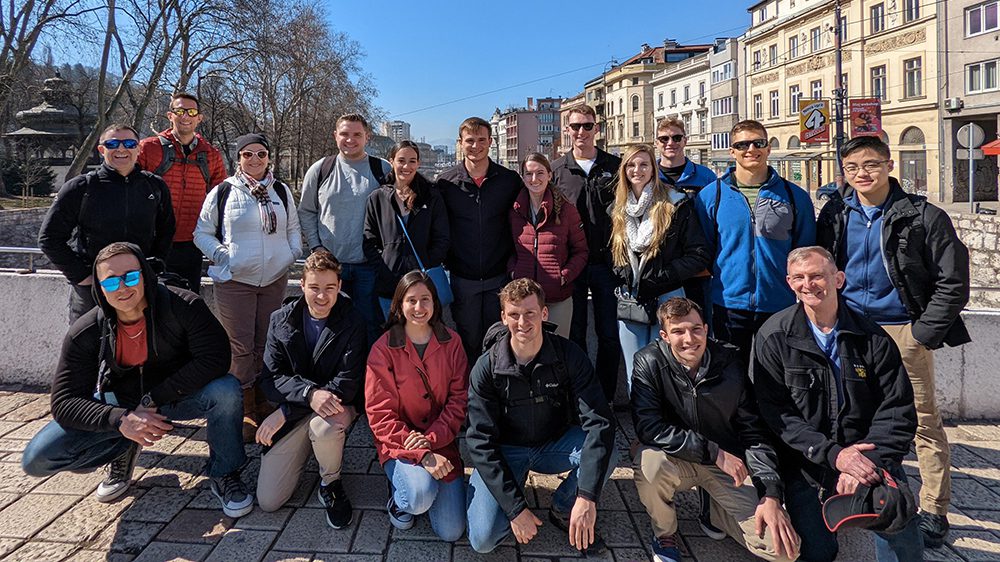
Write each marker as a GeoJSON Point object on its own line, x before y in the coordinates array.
{"type": "Point", "coordinates": [113, 144]}
{"type": "Point", "coordinates": [131, 279]}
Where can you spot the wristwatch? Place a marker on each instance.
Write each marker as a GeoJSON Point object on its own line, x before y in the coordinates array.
{"type": "Point", "coordinates": [147, 402]}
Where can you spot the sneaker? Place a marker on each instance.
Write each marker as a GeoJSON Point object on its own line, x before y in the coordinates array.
{"type": "Point", "coordinates": [339, 511]}
{"type": "Point", "coordinates": [933, 528]}
{"type": "Point", "coordinates": [232, 492]}
{"type": "Point", "coordinates": [399, 518]}
{"type": "Point", "coordinates": [705, 517]}
{"type": "Point", "coordinates": [561, 521]}
{"type": "Point", "coordinates": [119, 475]}
{"type": "Point", "coordinates": [665, 549]}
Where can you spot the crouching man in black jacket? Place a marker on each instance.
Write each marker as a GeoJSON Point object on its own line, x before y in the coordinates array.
{"type": "Point", "coordinates": [698, 425]}
{"type": "Point", "coordinates": [154, 354]}
{"type": "Point", "coordinates": [831, 384]}
{"type": "Point", "coordinates": [535, 404]}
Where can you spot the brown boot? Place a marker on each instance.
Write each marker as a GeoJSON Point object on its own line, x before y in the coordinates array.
{"type": "Point", "coordinates": [250, 419]}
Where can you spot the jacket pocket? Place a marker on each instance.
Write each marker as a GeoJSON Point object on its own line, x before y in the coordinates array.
{"type": "Point", "coordinates": [773, 219]}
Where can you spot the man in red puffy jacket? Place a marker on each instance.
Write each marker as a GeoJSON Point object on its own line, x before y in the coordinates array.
{"type": "Point", "coordinates": [191, 167]}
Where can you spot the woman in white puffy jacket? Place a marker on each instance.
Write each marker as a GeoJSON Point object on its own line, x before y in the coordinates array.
{"type": "Point", "coordinates": [251, 242]}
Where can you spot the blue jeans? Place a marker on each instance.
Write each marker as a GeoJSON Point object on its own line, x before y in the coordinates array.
{"type": "Point", "coordinates": [384, 304]}
{"type": "Point", "coordinates": [415, 491]}
{"type": "Point", "coordinates": [635, 336]}
{"type": "Point", "coordinates": [820, 545]}
{"type": "Point", "coordinates": [488, 524]}
{"type": "Point", "coordinates": [358, 281]}
{"type": "Point", "coordinates": [600, 281]}
{"type": "Point", "coordinates": [55, 449]}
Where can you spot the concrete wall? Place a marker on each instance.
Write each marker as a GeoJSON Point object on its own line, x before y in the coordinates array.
{"type": "Point", "coordinates": [19, 228]}
{"type": "Point", "coordinates": [981, 233]}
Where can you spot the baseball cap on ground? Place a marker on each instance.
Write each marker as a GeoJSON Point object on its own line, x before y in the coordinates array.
{"type": "Point", "coordinates": [887, 507]}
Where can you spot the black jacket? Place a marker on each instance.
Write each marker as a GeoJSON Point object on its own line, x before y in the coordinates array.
{"type": "Point", "coordinates": [683, 254]}
{"type": "Point", "coordinates": [927, 263]}
{"type": "Point", "coordinates": [100, 207]}
{"type": "Point", "coordinates": [187, 349]}
{"type": "Point", "coordinates": [385, 244]}
{"type": "Point", "coordinates": [507, 407]}
{"type": "Point", "coordinates": [692, 420]}
{"type": "Point", "coordinates": [794, 384]}
{"type": "Point", "coordinates": [596, 192]}
{"type": "Point", "coordinates": [481, 242]}
{"type": "Point", "coordinates": [337, 363]}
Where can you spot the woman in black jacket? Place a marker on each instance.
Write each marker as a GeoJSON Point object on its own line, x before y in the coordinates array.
{"type": "Point", "coordinates": [407, 199]}
{"type": "Point", "coordinates": [655, 235]}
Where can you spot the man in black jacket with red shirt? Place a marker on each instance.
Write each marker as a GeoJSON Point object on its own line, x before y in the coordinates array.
{"type": "Point", "coordinates": [154, 354]}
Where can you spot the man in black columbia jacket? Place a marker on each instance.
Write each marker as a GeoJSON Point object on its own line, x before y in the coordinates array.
{"type": "Point", "coordinates": [154, 354]}
{"type": "Point", "coordinates": [831, 385]}
{"type": "Point", "coordinates": [534, 404]}
{"type": "Point", "coordinates": [697, 423]}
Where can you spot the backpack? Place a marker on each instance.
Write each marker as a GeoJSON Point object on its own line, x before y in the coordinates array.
{"type": "Point", "coordinates": [326, 168]}
{"type": "Point", "coordinates": [222, 195]}
{"type": "Point", "coordinates": [718, 199]}
{"type": "Point", "coordinates": [91, 175]}
{"type": "Point", "coordinates": [170, 156]}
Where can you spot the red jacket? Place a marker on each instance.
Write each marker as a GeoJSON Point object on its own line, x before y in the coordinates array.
{"type": "Point", "coordinates": [185, 180]}
{"type": "Point", "coordinates": [397, 400]}
{"type": "Point", "coordinates": [552, 254]}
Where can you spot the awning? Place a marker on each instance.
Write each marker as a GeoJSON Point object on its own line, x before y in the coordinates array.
{"type": "Point", "coordinates": [992, 148]}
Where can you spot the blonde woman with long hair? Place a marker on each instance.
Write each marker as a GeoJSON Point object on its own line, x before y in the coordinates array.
{"type": "Point", "coordinates": [656, 245]}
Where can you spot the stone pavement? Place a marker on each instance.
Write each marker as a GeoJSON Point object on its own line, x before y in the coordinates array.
{"type": "Point", "coordinates": [171, 515]}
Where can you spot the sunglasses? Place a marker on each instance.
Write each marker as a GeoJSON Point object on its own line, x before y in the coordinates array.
{"type": "Point", "coordinates": [112, 144]}
{"type": "Point", "coordinates": [745, 145]}
{"type": "Point", "coordinates": [262, 154]}
{"type": "Point", "coordinates": [131, 279]}
{"type": "Point", "coordinates": [665, 138]}
{"type": "Point", "coordinates": [586, 126]}
{"type": "Point", "coordinates": [179, 111]}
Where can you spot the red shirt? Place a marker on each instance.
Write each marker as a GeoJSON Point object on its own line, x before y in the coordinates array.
{"type": "Point", "coordinates": [130, 346]}
{"type": "Point", "coordinates": [479, 181]}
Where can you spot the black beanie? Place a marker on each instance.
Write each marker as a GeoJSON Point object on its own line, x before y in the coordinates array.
{"type": "Point", "coordinates": [251, 138]}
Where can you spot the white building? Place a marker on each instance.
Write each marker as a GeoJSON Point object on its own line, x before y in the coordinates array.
{"type": "Point", "coordinates": [682, 91]}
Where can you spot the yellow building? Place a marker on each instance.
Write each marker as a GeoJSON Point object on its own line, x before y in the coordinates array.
{"type": "Point", "coordinates": [889, 51]}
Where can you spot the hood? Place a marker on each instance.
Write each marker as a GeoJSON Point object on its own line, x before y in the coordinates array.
{"type": "Point", "coordinates": [148, 278]}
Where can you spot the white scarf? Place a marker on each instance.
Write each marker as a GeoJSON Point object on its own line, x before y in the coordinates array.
{"type": "Point", "coordinates": [638, 223]}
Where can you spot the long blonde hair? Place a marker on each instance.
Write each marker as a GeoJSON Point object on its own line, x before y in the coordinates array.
{"type": "Point", "coordinates": [661, 211]}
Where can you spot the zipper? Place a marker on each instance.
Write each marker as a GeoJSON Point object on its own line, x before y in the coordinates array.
{"type": "Point", "coordinates": [535, 277]}
{"type": "Point", "coordinates": [753, 248]}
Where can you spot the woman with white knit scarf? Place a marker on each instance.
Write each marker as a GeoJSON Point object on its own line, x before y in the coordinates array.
{"type": "Point", "coordinates": [251, 244]}
{"type": "Point", "coordinates": [655, 238]}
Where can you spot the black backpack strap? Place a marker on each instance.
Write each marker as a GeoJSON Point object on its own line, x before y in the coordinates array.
{"type": "Point", "coordinates": [167, 159]}
{"type": "Point", "coordinates": [375, 163]}
{"type": "Point", "coordinates": [201, 159]}
{"type": "Point", "coordinates": [282, 191]}
{"type": "Point", "coordinates": [325, 169]}
{"type": "Point", "coordinates": [791, 202]}
{"type": "Point", "coordinates": [221, 196]}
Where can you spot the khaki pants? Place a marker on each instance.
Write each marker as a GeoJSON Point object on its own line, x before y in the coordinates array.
{"type": "Point", "coordinates": [245, 311]}
{"type": "Point", "coordinates": [282, 466]}
{"type": "Point", "coordinates": [658, 477]}
{"type": "Point", "coordinates": [933, 454]}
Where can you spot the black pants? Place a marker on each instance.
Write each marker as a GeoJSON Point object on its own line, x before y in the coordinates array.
{"type": "Point", "coordinates": [598, 280]}
{"type": "Point", "coordinates": [81, 300]}
{"type": "Point", "coordinates": [185, 260]}
{"type": "Point", "coordinates": [738, 327]}
{"type": "Point", "coordinates": [476, 307]}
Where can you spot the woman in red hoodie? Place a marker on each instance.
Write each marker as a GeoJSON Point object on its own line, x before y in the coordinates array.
{"type": "Point", "coordinates": [550, 246]}
{"type": "Point", "coordinates": [416, 389]}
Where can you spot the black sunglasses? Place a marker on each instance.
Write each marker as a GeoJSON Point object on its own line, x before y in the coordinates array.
{"type": "Point", "coordinates": [262, 154]}
{"type": "Point", "coordinates": [745, 145]}
{"type": "Point", "coordinates": [112, 144]}
{"type": "Point", "coordinates": [586, 126]}
{"type": "Point", "coordinates": [675, 138]}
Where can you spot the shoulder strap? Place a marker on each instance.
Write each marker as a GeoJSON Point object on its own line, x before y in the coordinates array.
{"type": "Point", "coordinates": [221, 196]}
{"type": "Point", "coordinates": [167, 158]}
{"type": "Point", "coordinates": [201, 159]}
{"type": "Point", "coordinates": [375, 163]}
{"type": "Point", "coordinates": [791, 202]}
{"type": "Point", "coordinates": [412, 247]}
{"type": "Point", "coordinates": [325, 169]}
{"type": "Point", "coordinates": [282, 190]}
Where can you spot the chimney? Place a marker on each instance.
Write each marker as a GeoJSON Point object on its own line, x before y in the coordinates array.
{"type": "Point", "coordinates": [531, 104]}
{"type": "Point", "coordinates": [644, 48]}
{"type": "Point", "coordinates": [670, 44]}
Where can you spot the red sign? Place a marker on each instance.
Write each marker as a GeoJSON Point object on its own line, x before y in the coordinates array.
{"type": "Point", "coordinates": [866, 117]}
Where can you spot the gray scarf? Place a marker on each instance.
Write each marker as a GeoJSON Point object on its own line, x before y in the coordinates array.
{"type": "Point", "coordinates": [638, 223]}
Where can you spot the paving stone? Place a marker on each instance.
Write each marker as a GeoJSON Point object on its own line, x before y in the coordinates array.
{"type": "Point", "coordinates": [12, 402]}
{"type": "Point", "coordinates": [128, 537]}
{"type": "Point", "coordinates": [196, 526]}
{"type": "Point", "coordinates": [611, 499]}
{"type": "Point", "coordinates": [26, 431]}
{"type": "Point", "coordinates": [276, 556]}
{"type": "Point", "coordinates": [27, 515]}
{"type": "Point", "coordinates": [969, 493]}
{"type": "Point", "coordinates": [616, 528]}
{"type": "Point", "coordinates": [243, 545]}
{"type": "Point", "coordinates": [205, 499]}
{"type": "Point", "coordinates": [98, 556]}
{"type": "Point", "coordinates": [421, 530]}
{"type": "Point", "coordinates": [704, 548]}
{"type": "Point", "coordinates": [856, 545]}
{"type": "Point", "coordinates": [549, 541]}
{"type": "Point", "coordinates": [975, 545]}
{"type": "Point", "coordinates": [307, 531]}
{"type": "Point", "coordinates": [37, 551]}
{"type": "Point", "coordinates": [158, 505]}
{"type": "Point", "coordinates": [173, 552]}
{"type": "Point", "coordinates": [30, 411]}
{"type": "Point", "coordinates": [419, 551]}
{"type": "Point", "coordinates": [981, 431]}
{"type": "Point", "coordinates": [373, 532]}
{"type": "Point", "coordinates": [630, 496]}
{"type": "Point", "coordinates": [358, 460]}
{"type": "Point", "coordinates": [348, 558]}
{"type": "Point", "coordinates": [975, 519]}
{"type": "Point", "coordinates": [174, 471]}
{"type": "Point", "coordinates": [71, 483]}
{"type": "Point", "coordinates": [361, 434]}
{"type": "Point", "coordinates": [12, 445]}
{"type": "Point", "coordinates": [944, 554]}
{"type": "Point", "coordinates": [167, 444]}
{"type": "Point", "coordinates": [630, 555]}
{"type": "Point", "coordinates": [306, 489]}
{"type": "Point", "coordinates": [465, 553]}
{"type": "Point", "coordinates": [9, 545]}
{"type": "Point", "coordinates": [367, 491]}
{"type": "Point", "coordinates": [84, 521]}
{"type": "Point", "coordinates": [261, 520]}
{"type": "Point", "coordinates": [192, 448]}
{"type": "Point", "coordinates": [7, 498]}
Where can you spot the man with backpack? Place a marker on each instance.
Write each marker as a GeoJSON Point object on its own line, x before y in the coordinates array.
{"type": "Point", "coordinates": [117, 202]}
{"type": "Point", "coordinates": [535, 404]}
{"type": "Point", "coordinates": [332, 212]}
{"type": "Point", "coordinates": [191, 167]}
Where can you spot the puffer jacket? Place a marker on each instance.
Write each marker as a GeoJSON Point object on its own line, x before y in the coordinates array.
{"type": "Point", "coordinates": [397, 400]}
{"type": "Point", "coordinates": [184, 178]}
{"type": "Point", "coordinates": [596, 190]}
{"type": "Point", "coordinates": [187, 349]}
{"type": "Point", "coordinates": [246, 253]}
{"type": "Point", "coordinates": [552, 254]}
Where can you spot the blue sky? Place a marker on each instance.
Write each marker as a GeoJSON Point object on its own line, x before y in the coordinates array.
{"type": "Point", "coordinates": [421, 54]}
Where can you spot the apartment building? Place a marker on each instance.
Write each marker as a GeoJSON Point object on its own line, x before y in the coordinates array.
{"type": "Point", "coordinates": [682, 91]}
{"type": "Point", "coordinates": [723, 100]}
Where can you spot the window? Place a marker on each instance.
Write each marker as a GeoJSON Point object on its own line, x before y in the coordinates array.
{"type": "Point", "coordinates": [687, 94]}
{"type": "Point", "coordinates": [722, 72]}
{"type": "Point", "coordinates": [793, 46]}
{"type": "Point", "coordinates": [774, 104]}
{"type": "Point", "coordinates": [843, 83]}
{"type": "Point", "coordinates": [659, 100]}
{"type": "Point", "coordinates": [722, 106]}
{"type": "Point", "coordinates": [756, 60]}
{"type": "Point", "coordinates": [621, 130]}
{"type": "Point", "coordinates": [794, 95]}
{"type": "Point", "coordinates": [913, 86]}
{"type": "Point", "coordinates": [635, 81]}
{"type": "Point", "coordinates": [843, 28]}
{"type": "Point", "coordinates": [879, 82]}
{"type": "Point", "coordinates": [982, 18]}
{"type": "Point", "coordinates": [620, 108]}
{"type": "Point", "coordinates": [635, 103]}
{"type": "Point", "coordinates": [817, 89]}
{"type": "Point", "coordinates": [702, 122]}
{"type": "Point", "coordinates": [687, 121]}
{"type": "Point", "coordinates": [673, 98]}
{"type": "Point", "coordinates": [911, 10]}
{"type": "Point", "coordinates": [701, 89]}
{"type": "Point", "coordinates": [816, 39]}
{"type": "Point", "coordinates": [762, 14]}
{"type": "Point", "coordinates": [635, 128]}
{"type": "Point", "coordinates": [981, 77]}
{"type": "Point", "coordinates": [772, 55]}
{"type": "Point", "coordinates": [876, 18]}
{"type": "Point", "coordinates": [720, 141]}
{"type": "Point", "coordinates": [758, 107]}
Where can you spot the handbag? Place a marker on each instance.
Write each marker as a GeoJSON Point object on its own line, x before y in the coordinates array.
{"type": "Point", "coordinates": [437, 274]}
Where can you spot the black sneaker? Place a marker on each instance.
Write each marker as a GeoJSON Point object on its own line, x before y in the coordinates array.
{"type": "Point", "coordinates": [399, 518]}
{"type": "Point", "coordinates": [232, 493]}
{"type": "Point", "coordinates": [339, 512]}
{"type": "Point", "coordinates": [934, 528]}
{"type": "Point", "coordinates": [119, 475]}
{"type": "Point", "coordinates": [561, 521]}
{"type": "Point", "coordinates": [705, 517]}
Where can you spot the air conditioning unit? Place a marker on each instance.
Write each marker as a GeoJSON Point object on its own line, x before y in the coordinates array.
{"type": "Point", "coordinates": [953, 104]}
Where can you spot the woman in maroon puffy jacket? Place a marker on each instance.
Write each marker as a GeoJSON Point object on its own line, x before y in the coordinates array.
{"type": "Point", "coordinates": [549, 243]}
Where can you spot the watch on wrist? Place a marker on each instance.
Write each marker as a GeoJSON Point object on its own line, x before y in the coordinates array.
{"type": "Point", "coordinates": [147, 402]}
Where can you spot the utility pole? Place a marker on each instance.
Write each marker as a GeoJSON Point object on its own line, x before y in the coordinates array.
{"type": "Point", "coordinates": [839, 95]}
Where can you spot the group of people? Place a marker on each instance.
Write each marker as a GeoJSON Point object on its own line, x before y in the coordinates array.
{"type": "Point", "coordinates": [774, 361]}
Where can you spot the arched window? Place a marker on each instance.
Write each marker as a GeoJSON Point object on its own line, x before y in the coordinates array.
{"type": "Point", "coordinates": [793, 142]}
{"type": "Point", "coordinates": [913, 161]}
{"type": "Point", "coordinates": [912, 135]}
{"type": "Point", "coordinates": [635, 103]}
{"type": "Point", "coordinates": [620, 108]}
{"type": "Point", "coordinates": [775, 143]}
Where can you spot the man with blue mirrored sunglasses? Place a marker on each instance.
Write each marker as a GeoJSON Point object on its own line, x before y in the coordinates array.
{"type": "Point", "coordinates": [117, 202]}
